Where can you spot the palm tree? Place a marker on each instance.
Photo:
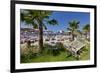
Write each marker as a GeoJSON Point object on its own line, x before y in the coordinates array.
{"type": "Point", "coordinates": [38, 19]}
{"type": "Point", "coordinates": [86, 30]}
{"type": "Point", "coordinates": [73, 26]}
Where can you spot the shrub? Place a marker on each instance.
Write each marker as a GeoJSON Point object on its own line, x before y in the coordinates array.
{"type": "Point", "coordinates": [56, 52]}
{"type": "Point", "coordinates": [60, 47]}
{"type": "Point", "coordinates": [53, 50]}
{"type": "Point", "coordinates": [47, 49]}
{"type": "Point", "coordinates": [27, 54]}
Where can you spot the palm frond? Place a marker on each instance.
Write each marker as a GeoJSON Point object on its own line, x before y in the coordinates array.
{"type": "Point", "coordinates": [52, 22]}
{"type": "Point", "coordinates": [44, 26]}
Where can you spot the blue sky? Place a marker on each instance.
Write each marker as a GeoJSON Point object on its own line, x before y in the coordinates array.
{"type": "Point", "coordinates": [63, 19]}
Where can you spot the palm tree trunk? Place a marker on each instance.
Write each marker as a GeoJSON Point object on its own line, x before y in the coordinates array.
{"type": "Point", "coordinates": [72, 36]}
{"type": "Point", "coordinates": [86, 35]}
{"type": "Point", "coordinates": [40, 37]}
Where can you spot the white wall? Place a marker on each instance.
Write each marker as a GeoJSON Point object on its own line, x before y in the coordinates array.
{"type": "Point", "coordinates": [5, 37]}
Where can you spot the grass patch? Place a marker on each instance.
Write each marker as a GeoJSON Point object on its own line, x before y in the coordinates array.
{"type": "Point", "coordinates": [50, 54]}
{"type": "Point", "coordinates": [85, 55]}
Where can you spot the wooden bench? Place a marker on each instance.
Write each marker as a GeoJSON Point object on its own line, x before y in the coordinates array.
{"type": "Point", "coordinates": [75, 46]}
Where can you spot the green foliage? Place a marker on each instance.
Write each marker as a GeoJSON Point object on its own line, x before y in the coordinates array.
{"type": "Point", "coordinates": [36, 17]}
{"type": "Point", "coordinates": [53, 22]}
{"type": "Point", "coordinates": [85, 54]}
{"type": "Point", "coordinates": [28, 54]}
{"type": "Point", "coordinates": [60, 46]}
{"type": "Point", "coordinates": [86, 28]}
{"type": "Point", "coordinates": [49, 54]}
{"type": "Point", "coordinates": [50, 50]}
{"type": "Point", "coordinates": [74, 24]}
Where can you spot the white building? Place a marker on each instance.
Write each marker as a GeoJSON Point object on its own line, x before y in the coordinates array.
{"type": "Point", "coordinates": [48, 36]}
